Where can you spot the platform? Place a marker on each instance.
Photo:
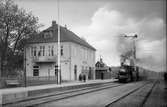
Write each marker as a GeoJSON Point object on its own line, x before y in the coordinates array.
{"type": "Point", "coordinates": [11, 95]}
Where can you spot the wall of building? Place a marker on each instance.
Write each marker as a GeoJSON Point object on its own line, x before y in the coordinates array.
{"type": "Point", "coordinates": [103, 74]}
{"type": "Point", "coordinates": [83, 58]}
{"type": "Point", "coordinates": [47, 68]}
{"type": "Point", "coordinates": [73, 54]}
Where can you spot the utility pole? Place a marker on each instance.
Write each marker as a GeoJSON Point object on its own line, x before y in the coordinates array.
{"type": "Point", "coordinates": [25, 76]}
{"type": "Point", "coordinates": [58, 44]}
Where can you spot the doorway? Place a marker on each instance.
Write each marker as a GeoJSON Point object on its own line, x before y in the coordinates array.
{"type": "Point", "coordinates": [90, 73]}
{"type": "Point", "coordinates": [75, 72]}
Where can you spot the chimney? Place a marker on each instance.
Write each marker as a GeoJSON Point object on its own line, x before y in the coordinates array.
{"type": "Point", "coordinates": [54, 23]}
{"type": "Point", "coordinates": [65, 26]}
{"type": "Point", "coordinates": [101, 60]}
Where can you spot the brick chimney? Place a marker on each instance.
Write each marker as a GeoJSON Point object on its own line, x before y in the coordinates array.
{"type": "Point", "coordinates": [54, 24]}
{"type": "Point", "coordinates": [65, 26]}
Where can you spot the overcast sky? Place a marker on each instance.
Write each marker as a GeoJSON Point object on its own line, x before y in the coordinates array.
{"type": "Point", "coordinates": [101, 22]}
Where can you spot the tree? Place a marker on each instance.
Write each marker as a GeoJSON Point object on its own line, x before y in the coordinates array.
{"type": "Point", "coordinates": [15, 25]}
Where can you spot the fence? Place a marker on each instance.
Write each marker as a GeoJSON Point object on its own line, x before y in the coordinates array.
{"type": "Point", "coordinates": [31, 81]}
{"type": "Point", "coordinates": [3, 80]}
{"type": "Point", "coordinates": [42, 78]}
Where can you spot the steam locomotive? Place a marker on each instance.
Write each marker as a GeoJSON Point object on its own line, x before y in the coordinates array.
{"type": "Point", "coordinates": [128, 73]}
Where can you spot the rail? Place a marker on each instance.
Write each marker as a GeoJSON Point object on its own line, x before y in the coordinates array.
{"type": "Point", "coordinates": [131, 92]}
{"type": "Point", "coordinates": [32, 101]}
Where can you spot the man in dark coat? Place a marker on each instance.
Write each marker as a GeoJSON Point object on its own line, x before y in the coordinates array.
{"type": "Point", "coordinates": [84, 78]}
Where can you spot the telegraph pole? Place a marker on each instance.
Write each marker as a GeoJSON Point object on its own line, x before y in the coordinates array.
{"type": "Point", "coordinates": [58, 44]}
{"type": "Point", "coordinates": [25, 76]}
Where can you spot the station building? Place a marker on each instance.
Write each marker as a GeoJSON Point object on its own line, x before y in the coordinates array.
{"type": "Point", "coordinates": [102, 70]}
{"type": "Point", "coordinates": [77, 56]}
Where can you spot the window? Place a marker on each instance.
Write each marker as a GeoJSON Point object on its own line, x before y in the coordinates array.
{"type": "Point", "coordinates": [32, 51]}
{"type": "Point", "coordinates": [49, 50]}
{"type": "Point", "coordinates": [61, 51]}
{"type": "Point", "coordinates": [35, 51]}
{"type": "Point", "coordinates": [40, 51]}
{"type": "Point", "coordinates": [52, 51]}
{"type": "Point", "coordinates": [43, 49]}
{"type": "Point", "coordinates": [35, 70]}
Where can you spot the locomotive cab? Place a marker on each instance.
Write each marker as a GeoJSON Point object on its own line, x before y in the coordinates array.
{"type": "Point", "coordinates": [124, 74]}
{"type": "Point", "coordinates": [127, 73]}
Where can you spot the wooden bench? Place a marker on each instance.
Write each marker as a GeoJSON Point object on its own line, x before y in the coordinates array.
{"type": "Point", "coordinates": [14, 82]}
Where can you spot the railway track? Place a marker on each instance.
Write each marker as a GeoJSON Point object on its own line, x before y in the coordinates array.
{"type": "Point", "coordinates": [60, 95]}
{"type": "Point", "coordinates": [36, 101]}
{"type": "Point", "coordinates": [125, 95]}
{"type": "Point", "coordinates": [148, 94]}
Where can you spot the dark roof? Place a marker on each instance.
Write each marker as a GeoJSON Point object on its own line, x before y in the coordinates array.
{"type": "Point", "coordinates": [66, 36]}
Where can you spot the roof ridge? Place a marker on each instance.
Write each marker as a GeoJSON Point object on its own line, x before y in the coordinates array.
{"type": "Point", "coordinates": [79, 38]}
{"type": "Point", "coordinates": [67, 35]}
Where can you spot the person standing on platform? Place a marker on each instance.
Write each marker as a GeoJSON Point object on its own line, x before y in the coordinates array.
{"type": "Point", "coordinates": [84, 78]}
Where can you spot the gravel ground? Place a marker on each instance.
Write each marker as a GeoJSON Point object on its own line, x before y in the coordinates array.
{"type": "Point", "coordinates": [158, 97]}
{"type": "Point", "coordinates": [94, 99]}
{"type": "Point", "coordinates": [133, 100]}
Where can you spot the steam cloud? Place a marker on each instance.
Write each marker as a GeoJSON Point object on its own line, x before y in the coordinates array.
{"type": "Point", "coordinates": [125, 46]}
{"type": "Point", "coordinates": [104, 34]}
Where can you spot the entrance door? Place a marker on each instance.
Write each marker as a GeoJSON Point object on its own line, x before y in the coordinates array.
{"type": "Point", "coordinates": [75, 72]}
{"type": "Point", "coordinates": [89, 75]}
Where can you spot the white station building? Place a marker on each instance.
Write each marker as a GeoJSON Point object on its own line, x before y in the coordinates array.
{"type": "Point", "coordinates": [77, 56]}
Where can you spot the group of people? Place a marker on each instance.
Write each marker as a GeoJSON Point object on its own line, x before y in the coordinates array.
{"type": "Point", "coordinates": [82, 77]}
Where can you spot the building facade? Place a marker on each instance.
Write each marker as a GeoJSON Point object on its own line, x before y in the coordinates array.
{"type": "Point", "coordinates": [76, 55]}
{"type": "Point", "coordinates": [102, 70]}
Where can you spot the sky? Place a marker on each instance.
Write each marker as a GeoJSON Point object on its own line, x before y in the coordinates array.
{"type": "Point", "coordinates": [103, 22]}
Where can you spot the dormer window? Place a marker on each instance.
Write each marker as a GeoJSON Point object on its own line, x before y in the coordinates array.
{"type": "Point", "coordinates": [61, 51]}
{"type": "Point", "coordinates": [48, 34]}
